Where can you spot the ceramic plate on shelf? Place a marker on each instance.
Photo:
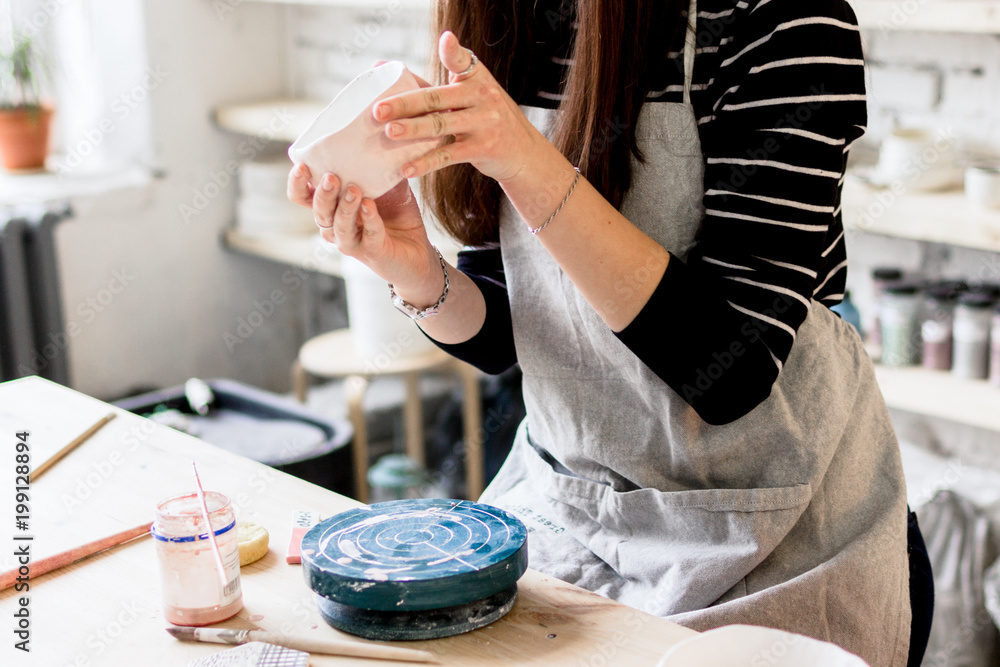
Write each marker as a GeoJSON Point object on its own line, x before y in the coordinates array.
{"type": "Point", "coordinates": [927, 181]}
{"type": "Point", "coordinates": [750, 646]}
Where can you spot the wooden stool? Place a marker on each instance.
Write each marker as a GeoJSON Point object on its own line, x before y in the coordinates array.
{"type": "Point", "coordinates": [332, 355]}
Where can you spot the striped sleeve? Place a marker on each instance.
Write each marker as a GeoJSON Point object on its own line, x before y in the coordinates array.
{"type": "Point", "coordinates": [786, 102]}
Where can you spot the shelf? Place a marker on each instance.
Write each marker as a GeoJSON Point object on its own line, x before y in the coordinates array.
{"type": "Point", "coordinates": [941, 394]}
{"type": "Point", "coordinates": [310, 252]}
{"type": "Point", "coordinates": [968, 16]}
{"type": "Point", "coordinates": [943, 217]}
{"type": "Point", "coordinates": [278, 120]}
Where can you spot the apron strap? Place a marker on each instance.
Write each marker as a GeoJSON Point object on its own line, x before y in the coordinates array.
{"type": "Point", "coordinates": [690, 38]}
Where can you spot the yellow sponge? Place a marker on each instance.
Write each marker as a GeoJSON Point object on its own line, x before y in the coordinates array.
{"type": "Point", "coordinates": [252, 540]}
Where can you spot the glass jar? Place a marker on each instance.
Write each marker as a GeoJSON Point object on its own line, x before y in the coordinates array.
{"type": "Point", "coordinates": [881, 277]}
{"type": "Point", "coordinates": [396, 477]}
{"type": "Point", "coordinates": [899, 318]}
{"type": "Point", "coordinates": [935, 330]}
{"type": "Point", "coordinates": [189, 577]}
{"type": "Point", "coordinates": [972, 336]}
{"type": "Point", "coordinates": [995, 348]}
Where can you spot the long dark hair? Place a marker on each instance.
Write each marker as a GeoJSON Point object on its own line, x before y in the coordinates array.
{"type": "Point", "coordinates": [617, 43]}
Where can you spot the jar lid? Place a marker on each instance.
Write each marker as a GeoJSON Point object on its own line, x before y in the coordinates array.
{"type": "Point", "coordinates": [887, 273]}
{"type": "Point", "coordinates": [942, 293]}
{"type": "Point", "coordinates": [991, 290]}
{"type": "Point", "coordinates": [956, 286]}
{"type": "Point", "coordinates": [902, 287]}
{"type": "Point", "coordinates": [975, 300]}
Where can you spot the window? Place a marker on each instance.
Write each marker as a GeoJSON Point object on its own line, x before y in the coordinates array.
{"type": "Point", "coordinates": [99, 80]}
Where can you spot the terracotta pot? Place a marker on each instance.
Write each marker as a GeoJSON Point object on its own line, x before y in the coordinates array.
{"type": "Point", "coordinates": [24, 137]}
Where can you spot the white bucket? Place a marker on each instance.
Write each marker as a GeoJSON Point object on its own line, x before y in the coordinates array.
{"type": "Point", "coordinates": [381, 334]}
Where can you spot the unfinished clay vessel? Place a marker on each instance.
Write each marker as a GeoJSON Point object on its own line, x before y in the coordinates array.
{"type": "Point", "coordinates": [346, 140]}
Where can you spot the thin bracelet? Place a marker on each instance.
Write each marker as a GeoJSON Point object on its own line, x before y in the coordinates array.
{"type": "Point", "coordinates": [552, 217]}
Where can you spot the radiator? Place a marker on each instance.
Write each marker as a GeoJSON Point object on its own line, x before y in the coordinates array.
{"type": "Point", "coordinates": [32, 336]}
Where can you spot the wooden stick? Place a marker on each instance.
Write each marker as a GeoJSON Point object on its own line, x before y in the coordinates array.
{"type": "Point", "coordinates": [301, 643]}
{"type": "Point", "coordinates": [50, 563]}
{"type": "Point", "coordinates": [83, 437]}
{"type": "Point", "coordinates": [211, 535]}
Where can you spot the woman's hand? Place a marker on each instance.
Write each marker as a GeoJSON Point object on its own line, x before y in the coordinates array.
{"type": "Point", "coordinates": [386, 234]}
{"type": "Point", "coordinates": [490, 131]}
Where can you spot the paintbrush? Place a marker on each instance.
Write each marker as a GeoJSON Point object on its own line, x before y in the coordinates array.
{"type": "Point", "coordinates": [52, 563]}
{"type": "Point", "coordinates": [302, 643]}
{"type": "Point", "coordinates": [211, 531]}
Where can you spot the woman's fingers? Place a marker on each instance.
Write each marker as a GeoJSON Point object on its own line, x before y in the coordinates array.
{"type": "Point", "coordinates": [425, 100]}
{"type": "Point", "coordinates": [455, 58]}
{"type": "Point", "coordinates": [345, 219]}
{"type": "Point", "coordinates": [324, 200]}
{"type": "Point", "coordinates": [299, 191]}
{"type": "Point", "coordinates": [433, 125]}
{"type": "Point", "coordinates": [372, 227]}
{"type": "Point", "coordinates": [438, 158]}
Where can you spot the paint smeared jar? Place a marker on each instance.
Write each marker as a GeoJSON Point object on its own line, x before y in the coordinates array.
{"type": "Point", "coordinates": [192, 592]}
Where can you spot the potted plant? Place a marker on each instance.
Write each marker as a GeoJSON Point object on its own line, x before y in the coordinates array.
{"type": "Point", "coordinates": [25, 119]}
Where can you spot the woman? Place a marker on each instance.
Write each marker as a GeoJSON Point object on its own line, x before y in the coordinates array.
{"type": "Point", "coordinates": [705, 439]}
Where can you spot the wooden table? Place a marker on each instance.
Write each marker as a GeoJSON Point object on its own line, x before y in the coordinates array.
{"type": "Point", "coordinates": [106, 610]}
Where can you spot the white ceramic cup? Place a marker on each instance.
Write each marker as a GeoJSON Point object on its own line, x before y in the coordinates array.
{"type": "Point", "coordinates": [982, 185]}
{"type": "Point", "coordinates": [346, 140]}
{"type": "Point", "coordinates": [918, 158]}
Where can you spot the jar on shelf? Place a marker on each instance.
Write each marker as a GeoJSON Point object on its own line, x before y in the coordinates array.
{"type": "Point", "coordinates": [899, 316]}
{"type": "Point", "coordinates": [881, 277]}
{"type": "Point", "coordinates": [995, 347]}
{"type": "Point", "coordinates": [935, 330]}
{"type": "Point", "coordinates": [396, 477]}
{"type": "Point", "coordinates": [971, 349]}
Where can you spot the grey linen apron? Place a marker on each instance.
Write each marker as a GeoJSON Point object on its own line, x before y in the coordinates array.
{"type": "Point", "coordinates": [791, 517]}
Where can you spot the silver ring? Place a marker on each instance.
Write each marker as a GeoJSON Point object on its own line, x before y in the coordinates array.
{"type": "Point", "coordinates": [468, 70]}
{"type": "Point", "coordinates": [319, 222]}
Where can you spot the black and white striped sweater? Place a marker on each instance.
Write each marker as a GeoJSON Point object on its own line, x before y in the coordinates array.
{"type": "Point", "coordinates": [779, 93]}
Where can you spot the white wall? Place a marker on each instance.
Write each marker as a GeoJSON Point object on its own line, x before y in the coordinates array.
{"type": "Point", "coordinates": [184, 291]}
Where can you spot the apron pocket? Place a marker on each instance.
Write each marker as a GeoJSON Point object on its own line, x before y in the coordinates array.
{"type": "Point", "coordinates": [688, 548]}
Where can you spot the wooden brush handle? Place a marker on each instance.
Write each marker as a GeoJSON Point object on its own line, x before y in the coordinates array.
{"type": "Point", "coordinates": [79, 440]}
{"type": "Point", "coordinates": [40, 567]}
{"type": "Point", "coordinates": [335, 647]}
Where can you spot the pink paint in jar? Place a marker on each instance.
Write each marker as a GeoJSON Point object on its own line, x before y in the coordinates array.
{"type": "Point", "coordinates": [189, 577]}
